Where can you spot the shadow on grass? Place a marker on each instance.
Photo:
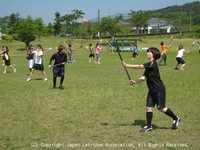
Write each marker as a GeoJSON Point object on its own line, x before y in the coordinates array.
{"type": "Point", "coordinates": [21, 49]}
{"type": "Point", "coordinates": [140, 123]}
{"type": "Point", "coordinates": [135, 123]}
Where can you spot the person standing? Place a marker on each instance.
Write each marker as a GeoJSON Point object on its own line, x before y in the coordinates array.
{"type": "Point", "coordinates": [157, 92]}
{"type": "Point", "coordinates": [98, 51]}
{"type": "Point", "coordinates": [135, 54]}
{"type": "Point", "coordinates": [179, 56]}
{"type": "Point", "coordinates": [91, 53]}
{"type": "Point", "coordinates": [6, 59]}
{"type": "Point", "coordinates": [60, 59]}
{"type": "Point", "coordinates": [38, 64]}
{"type": "Point", "coordinates": [29, 57]}
{"type": "Point", "coordinates": [164, 52]}
{"type": "Point", "coordinates": [70, 53]}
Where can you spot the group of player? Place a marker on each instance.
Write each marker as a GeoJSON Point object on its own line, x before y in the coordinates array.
{"type": "Point", "coordinates": [98, 50]}
{"type": "Point", "coordinates": [35, 62]}
{"type": "Point", "coordinates": [165, 48]}
{"type": "Point", "coordinates": [157, 91]}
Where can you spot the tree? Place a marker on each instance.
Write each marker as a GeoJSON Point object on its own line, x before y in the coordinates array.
{"type": "Point", "coordinates": [39, 27]}
{"type": "Point", "coordinates": [3, 24]}
{"type": "Point", "coordinates": [50, 28]}
{"type": "Point", "coordinates": [71, 19]}
{"type": "Point", "coordinates": [13, 22]}
{"type": "Point", "coordinates": [57, 25]}
{"type": "Point", "coordinates": [26, 32]}
{"type": "Point", "coordinates": [140, 19]}
{"type": "Point", "coordinates": [110, 25]}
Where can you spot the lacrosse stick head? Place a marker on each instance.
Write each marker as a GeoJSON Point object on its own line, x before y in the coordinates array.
{"type": "Point", "coordinates": [193, 43]}
{"type": "Point", "coordinates": [171, 38]}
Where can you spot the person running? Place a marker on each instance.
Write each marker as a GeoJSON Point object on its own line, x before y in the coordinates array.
{"type": "Point", "coordinates": [38, 65]}
{"type": "Point", "coordinates": [164, 52]}
{"type": "Point", "coordinates": [29, 57]}
{"type": "Point", "coordinates": [98, 51]}
{"type": "Point", "coordinates": [157, 91]}
{"type": "Point", "coordinates": [60, 58]}
{"type": "Point", "coordinates": [91, 53]}
{"type": "Point", "coordinates": [179, 56]}
{"type": "Point", "coordinates": [6, 59]}
{"type": "Point", "coordinates": [3, 58]}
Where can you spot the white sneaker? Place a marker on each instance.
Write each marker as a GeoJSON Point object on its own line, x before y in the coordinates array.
{"type": "Point", "coordinates": [15, 70]}
{"type": "Point", "coordinates": [99, 63]}
{"type": "Point", "coordinates": [4, 72]}
{"type": "Point", "coordinates": [45, 79]}
{"type": "Point", "coordinates": [28, 79]}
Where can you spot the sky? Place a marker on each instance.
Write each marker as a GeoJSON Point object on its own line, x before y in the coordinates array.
{"type": "Point", "coordinates": [46, 9]}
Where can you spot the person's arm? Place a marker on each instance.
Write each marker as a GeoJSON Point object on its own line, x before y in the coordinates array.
{"type": "Point", "coordinates": [40, 53]}
{"type": "Point", "coordinates": [186, 51]}
{"type": "Point", "coordinates": [141, 79]}
{"type": "Point", "coordinates": [50, 60]}
{"type": "Point", "coordinates": [169, 46]}
{"type": "Point", "coordinates": [132, 66]}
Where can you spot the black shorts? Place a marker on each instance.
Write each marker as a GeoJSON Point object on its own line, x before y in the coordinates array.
{"type": "Point", "coordinates": [57, 72]}
{"type": "Point", "coordinates": [39, 67]}
{"type": "Point", "coordinates": [180, 60]}
{"type": "Point", "coordinates": [7, 62]}
{"type": "Point", "coordinates": [157, 98]}
{"type": "Point", "coordinates": [91, 55]}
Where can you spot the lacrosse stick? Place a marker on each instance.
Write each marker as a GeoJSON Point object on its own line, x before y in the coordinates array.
{"type": "Point", "coordinates": [171, 38]}
{"type": "Point", "coordinates": [117, 48]}
{"type": "Point", "coordinates": [65, 44]}
{"type": "Point", "coordinates": [193, 43]}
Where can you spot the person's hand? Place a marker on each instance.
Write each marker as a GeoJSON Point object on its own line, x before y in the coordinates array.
{"type": "Point", "coordinates": [123, 63]}
{"type": "Point", "coordinates": [49, 66]}
{"type": "Point", "coordinates": [132, 82]}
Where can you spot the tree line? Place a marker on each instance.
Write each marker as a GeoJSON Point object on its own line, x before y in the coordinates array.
{"type": "Point", "coordinates": [186, 17]}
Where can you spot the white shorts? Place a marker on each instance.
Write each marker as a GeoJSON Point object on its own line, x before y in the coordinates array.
{"type": "Point", "coordinates": [30, 63]}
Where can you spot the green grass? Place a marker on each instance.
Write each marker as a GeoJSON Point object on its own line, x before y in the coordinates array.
{"type": "Point", "coordinates": [97, 106]}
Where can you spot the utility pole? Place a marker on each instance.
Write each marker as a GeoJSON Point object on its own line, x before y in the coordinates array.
{"type": "Point", "coordinates": [190, 22]}
{"type": "Point", "coordinates": [98, 21]}
{"type": "Point", "coordinates": [181, 22]}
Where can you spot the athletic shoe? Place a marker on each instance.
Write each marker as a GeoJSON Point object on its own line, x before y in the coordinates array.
{"type": "Point", "coordinates": [176, 68]}
{"type": "Point", "coordinates": [4, 72]}
{"type": "Point", "coordinates": [15, 70]}
{"type": "Point", "coordinates": [182, 69]}
{"type": "Point", "coordinates": [146, 129]}
{"type": "Point", "coordinates": [61, 87]}
{"type": "Point", "coordinates": [99, 63]}
{"type": "Point", "coordinates": [175, 123]}
{"type": "Point", "coordinates": [45, 79]}
{"type": "Point", "coordinates": [28, 79]}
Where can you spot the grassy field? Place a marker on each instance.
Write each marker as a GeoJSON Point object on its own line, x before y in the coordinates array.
{"type": "Point", "coordinates": [98, 109]}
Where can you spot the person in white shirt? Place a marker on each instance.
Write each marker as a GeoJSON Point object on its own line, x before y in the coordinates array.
{"type": "Point", "coordinates": [38, 65]}
{"type": "Point", "coordinates": [179, 56]}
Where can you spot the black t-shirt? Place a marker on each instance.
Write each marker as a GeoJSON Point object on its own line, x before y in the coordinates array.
{"type": "Point", "coordinates": [59, 58]}
{"type": "Point", "coordinates": [152, 75]}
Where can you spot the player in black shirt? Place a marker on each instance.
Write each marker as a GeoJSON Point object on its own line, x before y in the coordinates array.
{"type": "Point", "coordinates": [157, 93]}
{"type": "Point", "coordinates": [59, 65]}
